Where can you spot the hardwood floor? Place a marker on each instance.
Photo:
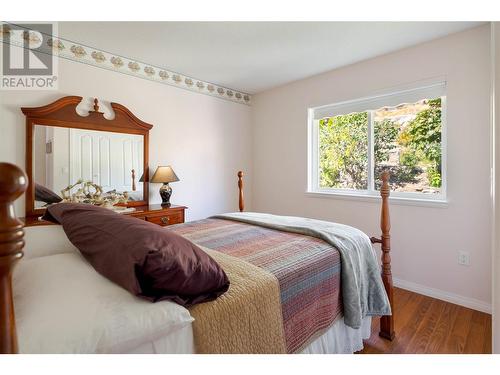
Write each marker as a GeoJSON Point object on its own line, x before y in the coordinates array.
{"type": "Point", "coordinates": [428, 325]}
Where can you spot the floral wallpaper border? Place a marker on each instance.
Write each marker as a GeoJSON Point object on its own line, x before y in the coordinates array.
{"type": "Point", "coordinates": [91, 56]}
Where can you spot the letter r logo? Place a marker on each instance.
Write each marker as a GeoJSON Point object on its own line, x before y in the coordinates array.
{"type": "Point", "coordinates": [30, 58]}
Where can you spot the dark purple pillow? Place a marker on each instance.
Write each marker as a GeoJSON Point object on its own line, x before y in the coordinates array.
{"type": "Point", "coordinates": [144, 258]}
{"type": "Point", "coordinates": [44, 194]}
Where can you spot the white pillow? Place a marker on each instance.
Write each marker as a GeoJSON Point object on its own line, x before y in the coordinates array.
{"type": "Point", "coordinates": [46, 240]}
{"type": "Point", "coordinates": [63, 305]}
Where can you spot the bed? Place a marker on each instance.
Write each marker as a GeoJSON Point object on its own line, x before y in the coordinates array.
{"type": "Point", "coordinates": [237, 237]}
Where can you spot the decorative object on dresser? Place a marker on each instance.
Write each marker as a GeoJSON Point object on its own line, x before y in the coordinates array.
{"type": "Point", "coordinates": [165, 174]}
{"type": "Point", "coordinates": [107, 152]}
{"type": "Point", "coordinates": [91, 193]}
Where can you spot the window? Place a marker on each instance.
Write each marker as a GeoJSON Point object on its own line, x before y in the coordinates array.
{"type": "Point", "coordinates": [351, 143]}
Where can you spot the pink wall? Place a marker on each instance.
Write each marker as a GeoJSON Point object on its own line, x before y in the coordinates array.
{"type": "Point", "coordinates": [426, 240]}
{"type": "Point", "coordinates": [496, 117]}
{"type": "Point", "coordinates": [207, 140]}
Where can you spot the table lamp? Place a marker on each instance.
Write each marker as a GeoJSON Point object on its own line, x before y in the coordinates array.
{"type": "Point", "coordinates": [164, 175]}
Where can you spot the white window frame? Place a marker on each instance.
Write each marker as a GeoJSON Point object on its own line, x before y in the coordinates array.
{"type": "Point", "coordinates": [371, 104]}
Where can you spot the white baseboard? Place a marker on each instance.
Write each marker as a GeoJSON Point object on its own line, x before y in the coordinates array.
{"type": "Point", "coordinates": [471, 303]}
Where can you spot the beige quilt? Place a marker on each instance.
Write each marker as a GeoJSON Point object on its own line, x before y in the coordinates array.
{"type": "Point", "coordinates": [247, 318]}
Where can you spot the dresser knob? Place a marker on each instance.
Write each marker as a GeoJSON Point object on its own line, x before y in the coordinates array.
{"type": "Point", "coordinates": [164, 220]}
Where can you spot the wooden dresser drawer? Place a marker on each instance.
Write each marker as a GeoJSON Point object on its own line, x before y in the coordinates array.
{"type": "Point", "coordinates": [167, 218]}
{"type": "Point", "coordinates": [160, 215]}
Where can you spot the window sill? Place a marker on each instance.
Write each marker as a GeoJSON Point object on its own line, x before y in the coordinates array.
{"type": "Point", "coordinates": [435, 203]}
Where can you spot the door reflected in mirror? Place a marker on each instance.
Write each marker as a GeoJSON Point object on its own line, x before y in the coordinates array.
{"type": "Point", "coordinates": [64, 156]}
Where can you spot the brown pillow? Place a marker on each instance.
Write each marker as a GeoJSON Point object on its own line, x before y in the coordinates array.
{"type": "Point", "coordinates": [44, 194]}
{"type": "Point", "coordinates": [144, 258]}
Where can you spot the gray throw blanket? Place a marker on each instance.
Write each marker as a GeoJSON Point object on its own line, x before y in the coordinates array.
{"type": "Point", "coordinates": [363, 292]}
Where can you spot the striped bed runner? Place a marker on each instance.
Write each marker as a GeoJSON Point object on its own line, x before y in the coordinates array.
{"type": "Point", "coordinates": [307, 269]}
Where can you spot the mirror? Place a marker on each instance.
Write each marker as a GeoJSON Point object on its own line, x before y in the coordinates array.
{"type": "Point", "coordinates": [63, 156]}
{"type": "Point", "coordinates": [86, 158]}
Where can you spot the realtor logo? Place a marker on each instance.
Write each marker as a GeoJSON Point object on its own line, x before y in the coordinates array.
{"type": "Point", "coordinates": [27, 59]}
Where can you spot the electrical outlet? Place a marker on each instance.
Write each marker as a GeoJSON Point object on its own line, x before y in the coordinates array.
{"type": "Point", "coordinates": [464, 258]}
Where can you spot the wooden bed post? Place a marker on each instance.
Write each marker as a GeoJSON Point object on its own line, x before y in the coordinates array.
{"type": "Point", "coordinates": [386, 322]}
{"type": "Point", "coordinates": [240, 187]}
{"type": "Point", "coordinates": [133, 180]}
{"type": "Point", "coordinates": [13, 182]}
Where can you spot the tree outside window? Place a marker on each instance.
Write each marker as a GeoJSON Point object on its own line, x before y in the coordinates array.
{"type": "Point", "coordinates": [406, 141]}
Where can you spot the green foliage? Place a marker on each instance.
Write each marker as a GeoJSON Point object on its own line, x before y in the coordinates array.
{"type": "Point", "coordinates": [385, 132]}
{"type": "Point", "coordinates": [408, 159]}
{"type": "Point", "coordinates": [386, 136]}
{"type": "Point", "coordinates": [434, 177]}
{"type": "Point", "coordinates": [344, 151]}
{"type": "Point", "coordinates": [423, 134]}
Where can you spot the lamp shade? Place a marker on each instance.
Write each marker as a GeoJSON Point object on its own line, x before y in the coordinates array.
{"type": "Point", "coordinates": [164, 174]}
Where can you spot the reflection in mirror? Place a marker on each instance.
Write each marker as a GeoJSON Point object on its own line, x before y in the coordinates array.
{"type": "Point", "coordinates": [63, 156]}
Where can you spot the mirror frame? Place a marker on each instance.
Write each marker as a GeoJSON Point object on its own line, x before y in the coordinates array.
{"type": "Point", "coordinates": [62, 113]}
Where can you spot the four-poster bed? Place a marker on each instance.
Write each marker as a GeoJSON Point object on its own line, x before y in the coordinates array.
{"type": "Point", "coordinates": [315, 281]}
{"type": "Point", "coordinates": [13, 183]}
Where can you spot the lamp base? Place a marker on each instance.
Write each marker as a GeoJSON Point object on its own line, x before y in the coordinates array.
{"type": "Point", "coordinates": [165, 193]}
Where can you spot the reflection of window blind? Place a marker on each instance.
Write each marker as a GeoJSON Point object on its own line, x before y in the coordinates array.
{"type": "Point", "coordinates": [389, 100]}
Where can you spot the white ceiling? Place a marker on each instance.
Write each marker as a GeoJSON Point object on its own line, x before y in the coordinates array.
{"type": "Point", "coordinates": [254, 56]}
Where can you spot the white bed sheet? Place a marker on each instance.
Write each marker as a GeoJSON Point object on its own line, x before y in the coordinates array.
{"type": "Point", "coordinates": [64, 306]}
{"type": "Point", "coordinates": [339, 339]}
{"type": "Point", "coordinates": [178, 342]}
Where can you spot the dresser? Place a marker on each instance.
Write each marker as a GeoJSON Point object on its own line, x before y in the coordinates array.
{"type": "Point", "coordinates": [154, 213]}
{"type": "Point", "coordinates": [158, 214]}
